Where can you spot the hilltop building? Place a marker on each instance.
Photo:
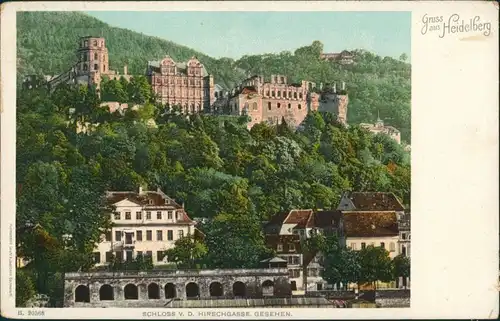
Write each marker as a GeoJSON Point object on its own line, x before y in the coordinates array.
{"type": "Point", "coordinates": [187, 85]}
{"type": "Point", "coordinates": [91, 66]}
{"type": "Point", "coordinates": [380, 128]}
{"type": "Point", "coordinates": [344, 58]}
{"type": "Point", "coordinates": [145, 223]}
{"type": "Point", "coordinates": [273, 101]}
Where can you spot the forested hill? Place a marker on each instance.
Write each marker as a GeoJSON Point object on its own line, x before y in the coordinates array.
{"type": "Point", "coordinates": [376, 85]}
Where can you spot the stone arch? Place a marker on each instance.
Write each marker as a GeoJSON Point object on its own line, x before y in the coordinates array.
{"type": "Point", "coordinates": [216, 289]}
{"type": "Point", "coordinates": [82, 293]}
{"type": "Point", "coordinates": [170, 291]}
{"type": "Point", "coordinates": [106, 293]}
{"type": "Point", "coordinates": [268, 288]}
{"type": "Point", "coordinates": [239, 289]}
{"type": "Point", "coordinates": [131, 292]}
{"type": "Point", "coordinates": [192, 290]}
{"type": "Point", "coordinates": [153, 291]}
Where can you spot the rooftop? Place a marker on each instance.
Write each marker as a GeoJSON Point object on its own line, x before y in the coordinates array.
{"type": "Point", "coordinates": [374, 201]}
{"type": "Point", "coordinates": [375, 224]}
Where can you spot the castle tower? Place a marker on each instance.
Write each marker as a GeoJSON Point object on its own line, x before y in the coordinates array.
{"type": "Point", "coordinates": [92, 58]}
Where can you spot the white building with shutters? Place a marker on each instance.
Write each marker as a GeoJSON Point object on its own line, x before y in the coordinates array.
{"type": "Point", "coordinates": [144, 223]}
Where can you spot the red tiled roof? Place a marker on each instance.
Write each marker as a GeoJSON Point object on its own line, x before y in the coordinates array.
{"type": "Point", "coordinates": [299, 217]}
{"type": "Point", "coordinates": [307, 218]}
{"type": "Point", "coordinates": [157, 198]}
{"type": "Point", "coordinates": [375, 224]}
{"type": "Point", "coordinates": [325, 219]}
{"type": "Point", "coordinates": [375, 201]}
{"type": "Point", "coordinates": [248, 90]}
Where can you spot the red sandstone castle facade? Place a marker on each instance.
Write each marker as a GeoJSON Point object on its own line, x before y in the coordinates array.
{"type": "Point", "coordinates": [187, 85]}
{"type": "Point", "coordinates": [276, 100]}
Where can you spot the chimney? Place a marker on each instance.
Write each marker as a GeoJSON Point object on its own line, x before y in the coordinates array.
{"type": "Point", "coordinates": [343, 85]}
{"type": "Point", "coordinates": [158, 190]}
{"type": "Point", "coordinates": [334, 87]}
{"type": "Point", "coordinates": [140, 190]}
{"type": "Point", "coordinates": [125, 70]}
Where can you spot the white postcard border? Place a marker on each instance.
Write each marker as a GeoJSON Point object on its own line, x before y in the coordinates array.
{"type": "Point", "coordinates": [454, 162]}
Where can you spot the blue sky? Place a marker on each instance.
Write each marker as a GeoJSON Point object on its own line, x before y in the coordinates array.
{"type": "Point", "coordinates": [234, 34]}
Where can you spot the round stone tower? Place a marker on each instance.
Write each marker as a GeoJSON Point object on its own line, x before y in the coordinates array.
{"type": "Point", "coordinates": [92, 58]}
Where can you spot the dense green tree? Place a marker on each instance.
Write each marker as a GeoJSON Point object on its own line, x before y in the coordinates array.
{"type": "Point", "coordinates": [187, 252]}
{"type": "Point", "coordinates": [25, 289]}
{"type": "Point", "coordinates": [376, 265]}
{"type": "Point", "coordinates": [401, 266]}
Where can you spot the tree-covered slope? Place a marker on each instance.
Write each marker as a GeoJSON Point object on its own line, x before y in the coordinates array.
{"type": "Point", "coordinates": [376, 85]}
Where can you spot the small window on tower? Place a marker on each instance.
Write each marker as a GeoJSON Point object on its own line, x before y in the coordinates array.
{"type": "Point", "coordinates": [104, 67]}
{"type": "Point", "coordinates": [95, 56]}
{"type": "Point", "coordinates": [95, 42]}
{"type": "Point", "coordinates": [95, 67]}
{"type": "Point", "coordinates": [269, 105]}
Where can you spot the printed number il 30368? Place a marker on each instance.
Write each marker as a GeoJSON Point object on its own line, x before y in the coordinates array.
{"type": "Point", "coordinates": [36, 313]}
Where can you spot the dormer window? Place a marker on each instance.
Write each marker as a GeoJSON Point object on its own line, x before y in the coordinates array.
{"type": "Point", "coordinates": [150, 202]}
{"type": "Point", "coordinates": [280, 248]}
{"type": "Point", "coordinates": [291, 247]}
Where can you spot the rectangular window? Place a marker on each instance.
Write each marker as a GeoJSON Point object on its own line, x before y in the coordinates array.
{"type": "Point", "coordinates": [353, 246]}
{"type": "Point", "coordinates": [295, 260]}
{"type": "Point", "coordinates": [160, 255]}
{"type": "Point", "coordinates": [139, 236]}
{"type": "Point", "coordinates": [119, 256]}
{"type": "Point", "coordinates": [170, 235]}
{"type": "Point", "coordinates": [138, 215]}
{"type": "Point", "coordinates": [96, 67]}
{"type": "Point", "coordinates": [97, 257]}
{"type": "Point", "coordinates": [109, 255]}
{"type": "Point", "coordinates": [169, 215]}
{"type": "Point", "coordinates": [117, 216]}
{"type": "Point", "coordinates": [382, 245]}
{"type": "Point", "coordinates": [149, 253]}
{"type": "Point", "coordinates": [159, 235]}
{"type": "Point", "coordinates": [107, 236]}
{"type": "Point", "coordinates": [392, 247]}
{"type": "Point", "coordinates": [291, 247]}
{"type": "Point", "coordinates": [176, 216]}
{"type": "Point", "coordinates": [129, 256]}
{"type": "Point", "coordinates": [148, 215]}
{"type": "Point", "coordinates": [273, 93]}
{"type": "Point", "coordinates": [279, 93]}
{"type": "Point", "coordinates": [181, 233]}
{"type": "Point", "coordinates": [158, 215]}
{"type": "Point", "coordinates": [118, 236]}
{"type": "Point", "coordinates": [149, 235]}
{"type": "Point", "coordinates": [280, 248]}
{"type": "Point", "coordinates": [128, 215]}
{"type": "Point", "coordinates": [139, 254]}
{"type": "Point", "coordinates": [363, 245]}
{"type": "Point", "coordinates": [403, 236]}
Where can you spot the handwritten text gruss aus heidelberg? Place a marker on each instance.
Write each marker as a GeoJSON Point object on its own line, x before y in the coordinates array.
{"type": "Point", "coordinates": [454, 25]}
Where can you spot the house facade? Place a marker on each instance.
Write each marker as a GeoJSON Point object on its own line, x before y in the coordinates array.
{"type": "Point", "coordinates": [184, 84]}
{"type": "Point", "coordinates": [376, 218]}
{"type": "Point", "coordinates": [286, 232]}
{"type": "Point", "coordinates": [145, 223]}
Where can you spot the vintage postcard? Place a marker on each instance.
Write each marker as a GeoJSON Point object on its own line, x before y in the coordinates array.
{"type": "Point", "coordinates": [282, 160]}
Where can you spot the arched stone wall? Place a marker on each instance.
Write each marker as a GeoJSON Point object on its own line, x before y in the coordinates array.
{"type": "Point", "coordinates": [117, 282]}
